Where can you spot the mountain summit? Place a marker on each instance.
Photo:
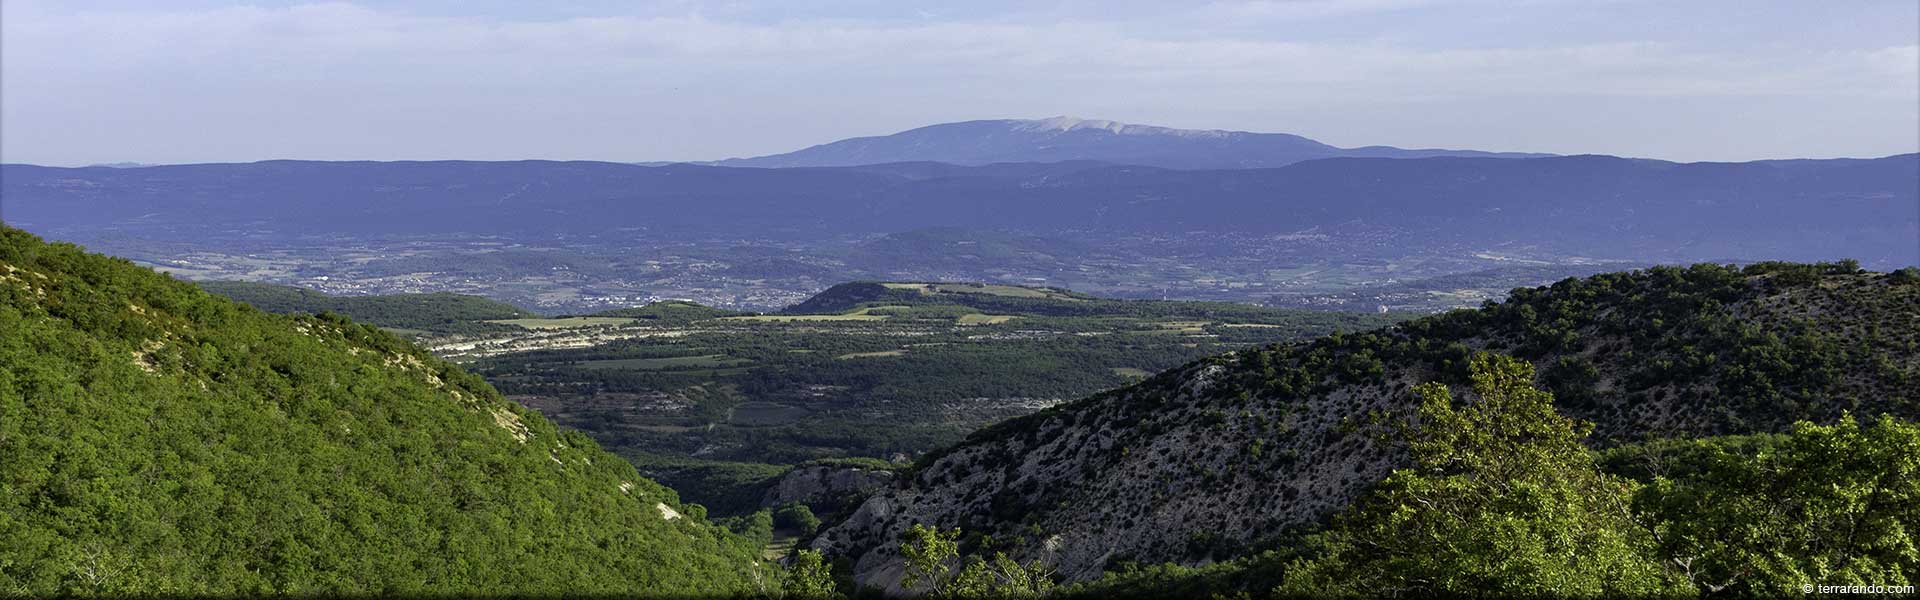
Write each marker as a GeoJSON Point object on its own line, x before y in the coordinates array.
{"type": "Point", "coordinates": [1071, 138]}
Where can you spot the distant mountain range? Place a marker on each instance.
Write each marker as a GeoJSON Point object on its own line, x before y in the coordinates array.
{"type": "Point", "coordinates": [1070, 138]}
{"type": "Point", "coordinates": [1598, 206]}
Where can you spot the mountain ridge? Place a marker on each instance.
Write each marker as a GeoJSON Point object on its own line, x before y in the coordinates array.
{"type": "Point", "coordinates": [1071, 138]}
{"type": "Point", "coordinates": [1607, 207]}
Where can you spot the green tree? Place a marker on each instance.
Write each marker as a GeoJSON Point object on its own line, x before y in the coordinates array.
{"type": "Point", "coordinates": [1002, 578]}
{"type": "Point", "coordinates": [1834, 505]}
{"type": "Point", "coordinates": [797, 516]}
{"type": "Point", "coordinates": [810, 578]}
{"type": "Point", "coordinates": [930, 554]}
{"type": "Point", "coordinates": [1502, 499]}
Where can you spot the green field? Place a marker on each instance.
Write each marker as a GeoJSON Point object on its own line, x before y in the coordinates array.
{"type": "Point", "coordinates": [565, 323]}
{"type": "Point", "coordinates": [871, 354]}
{"type": "Point", "coordinates": [1011, 291]}
{"type": "Point", "coordinates": [803, 318]}
{"type": "Point", "coordinates": [765, 413]}
{"type": "Point", "coordinates": [980, 319]}
{"type": "Point", "coordinates": [669, 362]}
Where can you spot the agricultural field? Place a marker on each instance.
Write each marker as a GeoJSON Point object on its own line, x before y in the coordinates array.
{"type": "Point", "coordinates": [565, 323]}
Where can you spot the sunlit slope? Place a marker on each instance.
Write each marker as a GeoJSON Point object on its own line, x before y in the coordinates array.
{"type": "Point", "coordinates": [155, 438]}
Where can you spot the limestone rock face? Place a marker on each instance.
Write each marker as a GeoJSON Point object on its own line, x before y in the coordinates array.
{"type": "Point", "coordinates": [822, 484]}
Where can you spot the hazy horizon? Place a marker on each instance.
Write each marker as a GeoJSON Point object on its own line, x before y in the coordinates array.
{"type": "Point", "coordinates": [96, 82]}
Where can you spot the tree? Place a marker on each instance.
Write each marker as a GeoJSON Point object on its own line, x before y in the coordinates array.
{"type": "Point", "coordinates": [1002, 578]}
{"type": "Point", "coordinates": [1827, 504]}
{"type": "Point", "coordinates": [809, 577]}
{"type": "Point", "coordinates": [1502, 499]}
{"type": "Point", "coordinates": [798, 517]}
{"type": "Point", "coordinates": [930, 553]}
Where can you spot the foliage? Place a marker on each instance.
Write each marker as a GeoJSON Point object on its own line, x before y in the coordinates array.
{"type": "Point", "coordinates": [156, 439]}
{"type": "Point", "coordinates": [1737, 350]}
{"type": "Point", "coordinates": [1501, 499]}
{"type": "Point", "coordinates": [1834, 505]}
{"type": "Point", "coordinates": [1002, 577]}
{"type": "Point", "coordinates": [935, 567]}
{"type": "Point", "coordinates": [437, 312]}
{"type": "Point", "coordinates": [798, 517]}
{"type": "Point", "coordinates": [930, 553]}
{"type": "Point", "coordinates": [810, 578]}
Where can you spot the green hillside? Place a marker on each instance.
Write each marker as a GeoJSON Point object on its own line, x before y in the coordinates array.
{"type": "Point", "coordinates": [438, 312]}
{"type": "Point", "coordinates": [157, 439]}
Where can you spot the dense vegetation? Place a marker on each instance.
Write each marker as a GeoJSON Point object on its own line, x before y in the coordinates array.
{"type": "Point", "coordinates": [1746, 349]}
{"type": "Point", "coordinates": [437, 312]}
{"type": "Point", "coordinates": [1502, 499]}
{"type": "Point", "coordinates": [1020, 300]}
{"type": "Point", "coordinates": [157, 439]}
{"type": "Point", "coordinates": [1231, 457]}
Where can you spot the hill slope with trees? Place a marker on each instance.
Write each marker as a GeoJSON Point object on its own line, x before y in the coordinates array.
{"type": "Point", "coordinates": [439, 312]}
{"type": "Point", "coordinates": [157, 439]}
{"type": "Point", "coordinates": [1221, 458]}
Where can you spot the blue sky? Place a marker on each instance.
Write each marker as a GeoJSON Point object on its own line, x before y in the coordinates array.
{"type": "Point", "coordinates": [86, 81]}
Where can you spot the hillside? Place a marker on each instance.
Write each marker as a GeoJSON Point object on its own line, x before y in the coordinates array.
{"type": "Point", "coordinates": [1073, 139]}
{"type": "Point", "coordinates": [1042, 301]}
{"type": "Point", "coordinates": [437, 312]}
{"type": "Point", "coordinates": [1226, 455]}
{"type": "Point", "coordinates": [157, 439]}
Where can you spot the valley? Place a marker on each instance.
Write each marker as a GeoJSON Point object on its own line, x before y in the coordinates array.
{"type": "Point", "coordinates": [755, 300]}
{"type": "Point", "coordinates": [879, 371]}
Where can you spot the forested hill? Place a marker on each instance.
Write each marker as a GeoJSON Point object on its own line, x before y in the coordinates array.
{"type": "Point", "coordinates": [1204, 462]}
{"type": "Point", "coordinates": [157, 439]}
{"type": "Point", "coordinates": [438, 312]}
{"type": "Point", "coordinates": [1052, 302]}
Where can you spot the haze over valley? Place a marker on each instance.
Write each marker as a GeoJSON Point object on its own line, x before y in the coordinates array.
{"type": "Point", "coordinates": [581, 236]}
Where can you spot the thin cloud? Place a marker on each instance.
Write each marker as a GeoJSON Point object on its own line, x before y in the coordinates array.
{"type": "Point", "coordinates": [564, 72]}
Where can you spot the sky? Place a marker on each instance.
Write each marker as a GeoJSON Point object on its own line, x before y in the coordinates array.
{"type": "Point", "coordinates": [98, 81]}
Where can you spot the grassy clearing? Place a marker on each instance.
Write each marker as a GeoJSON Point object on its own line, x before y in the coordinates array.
{"type": "Point", "coordinates": [670, 362]}
{"type": "Point", "coordinates": [764, 413]}
{"type": "Point", "coordinates": [1132, 373]}
{"type": "Point", "coordinates": [981, 319]}
{"type": "Point", "coordinates": [872, 354]}
{"type": "Point", "coordinates": [858, 315]}
{"type": "Point", "coordinates": [780, 547]}
{"type": "Point", "coordinates": [566, 323]}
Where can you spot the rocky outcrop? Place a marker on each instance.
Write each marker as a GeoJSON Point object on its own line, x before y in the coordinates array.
{"type": "Point", "coordinates": [821, 485]}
